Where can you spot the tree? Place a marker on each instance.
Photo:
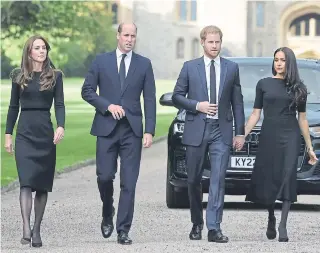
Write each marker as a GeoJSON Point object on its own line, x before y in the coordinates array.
{"type": "Point", "coordinates": [76, 31]}
{"type": "Point", "coordinates": [61, 18]}
{"type": "Point", "coordinates": [6, 66]}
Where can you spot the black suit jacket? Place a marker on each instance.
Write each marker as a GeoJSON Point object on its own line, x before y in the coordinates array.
{"type": "Point", "coordinates": [191, 88]}
{"type": "Point", "coordinates": [103, 73]}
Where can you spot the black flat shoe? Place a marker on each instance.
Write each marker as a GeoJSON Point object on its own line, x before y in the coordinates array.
{"type": "Point", "coordinates": [217, 236]}
{"type": "Point", "coordinates": [195, 233]}
{"type": "Point", "coordinates": [271, 230]}
{"type": "Point", "coordinates": [124, 239]}
{"type": "Point", "coordinates": [107, 225]}
{"type": "Point", "coordinates": [106, 228]}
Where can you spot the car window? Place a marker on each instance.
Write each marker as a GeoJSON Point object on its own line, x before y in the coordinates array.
{"type": "Point", "coordinates": [251, 74]}
{"type": "Point", "coordinates": [311, 78]}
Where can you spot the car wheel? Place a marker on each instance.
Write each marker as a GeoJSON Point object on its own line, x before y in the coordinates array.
{"type": "Point", "coordinates": [176, 199]}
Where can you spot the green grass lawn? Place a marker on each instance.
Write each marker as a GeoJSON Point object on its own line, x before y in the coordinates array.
{"type": "Point", "coordinates": [78, 145]}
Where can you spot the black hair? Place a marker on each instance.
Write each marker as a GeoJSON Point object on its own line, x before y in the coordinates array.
{"type": "Point", "coordinates": [295, 86]}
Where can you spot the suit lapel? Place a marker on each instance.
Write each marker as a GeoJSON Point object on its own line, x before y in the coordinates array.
{"type": "Point", "coordinates": [131, 71]}
{"type": "Point", "coordinates": [114, 69]}
{"type": "Point", "coordinates": [223, 73]}
{"type": "Point", "coordinates": [202, 73]}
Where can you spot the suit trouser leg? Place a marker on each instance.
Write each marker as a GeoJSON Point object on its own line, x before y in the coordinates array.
{"type": "Point", "coordinates": [195, 156]}
{"type": "Point", "coordinates": [130, 157]}
{"type": "Point", "coordinates": [219, 156]}
{"type": "Point", "coordinates": [106, 162]}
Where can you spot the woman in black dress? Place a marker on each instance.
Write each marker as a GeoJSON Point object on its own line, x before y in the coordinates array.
{"type": "Point", "coordinates": [34, 87]}
{"type": "Point", "coordinates": [274, 175]}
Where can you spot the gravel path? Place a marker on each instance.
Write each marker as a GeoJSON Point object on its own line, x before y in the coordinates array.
{"type": "Point", "coordinates": [72, 218]}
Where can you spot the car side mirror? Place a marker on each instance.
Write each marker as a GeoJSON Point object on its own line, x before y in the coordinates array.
{"type": "Point", "coordinates": [166, 99]}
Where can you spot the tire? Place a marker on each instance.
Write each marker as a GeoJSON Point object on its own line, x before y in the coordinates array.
{"type": "Point", "coordinates": [176, 199]}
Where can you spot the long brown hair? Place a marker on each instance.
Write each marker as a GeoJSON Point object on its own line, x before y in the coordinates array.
{"type": "Point", "coordinates": [22, 75]}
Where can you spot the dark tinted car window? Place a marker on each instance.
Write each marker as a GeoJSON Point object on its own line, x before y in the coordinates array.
{"type": "Point", "coordinates": [251, 74]}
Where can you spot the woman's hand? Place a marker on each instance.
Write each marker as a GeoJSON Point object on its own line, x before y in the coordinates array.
{"type": "Point", "coordinates": [8, 144]}
{"type": "Point", "coordinates": [313, 158]}
{"type": "Point", "coordinates": [58, 135]}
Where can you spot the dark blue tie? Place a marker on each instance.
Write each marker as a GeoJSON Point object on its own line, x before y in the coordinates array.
{"type": "Point", "coordinates": [122, 71]}
{"type": "Point", "coordinates": [213, 92]}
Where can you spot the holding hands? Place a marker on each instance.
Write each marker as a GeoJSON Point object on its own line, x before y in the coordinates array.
{"type": "Point", "coordinates": [238, 142]}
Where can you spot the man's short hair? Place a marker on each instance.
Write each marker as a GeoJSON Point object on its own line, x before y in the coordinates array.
{"type": "Point", "coordinates": [121, 24]}
{"type": "Point", "coordinates": [210, 29]}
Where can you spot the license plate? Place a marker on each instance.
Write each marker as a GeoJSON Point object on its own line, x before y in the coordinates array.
{"type": "Point", "coordinates": [242, 162]}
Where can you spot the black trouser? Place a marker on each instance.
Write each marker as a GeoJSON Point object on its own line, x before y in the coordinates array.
{"type": "Point", "coordinates": [124, 143]}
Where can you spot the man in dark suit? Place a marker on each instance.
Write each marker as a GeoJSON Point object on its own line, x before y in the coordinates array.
{"type": "Point", "coordinates": [214, 98]}
{"type": "Point", "coordinates": [121, 76]}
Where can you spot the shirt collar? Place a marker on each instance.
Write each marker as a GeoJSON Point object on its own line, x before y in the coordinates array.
{"type": "Point", "coordinates": [207, 60]}
{"type": "Point", "coordinates": [119, 53]}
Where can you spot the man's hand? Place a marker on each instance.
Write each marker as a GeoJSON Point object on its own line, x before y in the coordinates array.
{"type": "Point", "coordinates": [208, 108]}
{"type": "Point", "coordinates": [116, 111]}
{"type": "Point", "coordinates": [238, 142]}
{"type": "Point", "coordinates": [147, 140]}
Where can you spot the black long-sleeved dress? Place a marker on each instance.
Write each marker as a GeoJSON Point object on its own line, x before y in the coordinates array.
{"type": "Point", "coordinates": [35, 152]}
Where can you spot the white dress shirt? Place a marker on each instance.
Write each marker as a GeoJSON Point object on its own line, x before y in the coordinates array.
{"type": "Point", "coordinates": [217, 65]}
{"type": "Point", "coordinates": [207, 64]}
{"type": "Point", "coordinates": [127, 59]}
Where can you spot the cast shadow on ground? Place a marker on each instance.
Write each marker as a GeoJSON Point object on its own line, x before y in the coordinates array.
{"type": "Point", "coordinates": [252, 206]}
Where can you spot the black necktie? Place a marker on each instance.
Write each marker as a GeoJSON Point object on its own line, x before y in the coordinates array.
{"type": "Point", "coordinates": [122, 71]}
{"type": "Point", "coordinates": [213, 93]}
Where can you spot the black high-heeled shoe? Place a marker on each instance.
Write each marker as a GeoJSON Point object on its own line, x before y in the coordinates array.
{"type": "Point", "coordinates": [271, 229]}
{"type": "Point", "coordinates": [25, 240]}
{"type": "Point", "coordinates": [283, 237]}
{"type": "Point", "coordinates": [35, 244]}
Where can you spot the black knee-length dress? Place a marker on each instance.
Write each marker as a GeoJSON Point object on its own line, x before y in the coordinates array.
{"type": "Point", "coordinates": [35, 152]}
{"type": "Point", "coordinates": [274, 174]}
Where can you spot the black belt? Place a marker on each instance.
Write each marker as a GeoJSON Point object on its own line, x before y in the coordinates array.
{"type": "Point", "coordinates": [35, 109]}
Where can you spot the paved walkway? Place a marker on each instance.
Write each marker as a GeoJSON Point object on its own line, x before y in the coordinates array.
{"type": "Point", "coordinates": [72, 218]}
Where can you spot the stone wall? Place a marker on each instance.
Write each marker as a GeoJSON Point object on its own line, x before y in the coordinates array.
{"type": "Point", "coordinates": [157, 39]}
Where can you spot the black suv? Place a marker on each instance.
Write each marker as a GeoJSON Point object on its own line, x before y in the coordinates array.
{"type": "Point", "coordinates": [241, 163]}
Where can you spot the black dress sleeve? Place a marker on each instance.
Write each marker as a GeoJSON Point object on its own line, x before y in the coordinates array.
{"type": "Point", "coordinates": [59, 101]}
{"type": "Point", "coordinates": [258, 103]}
{"type": "Point", "coordinates": [302, 106]}
{"type": "Point", "coordinates": [14, 107]}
